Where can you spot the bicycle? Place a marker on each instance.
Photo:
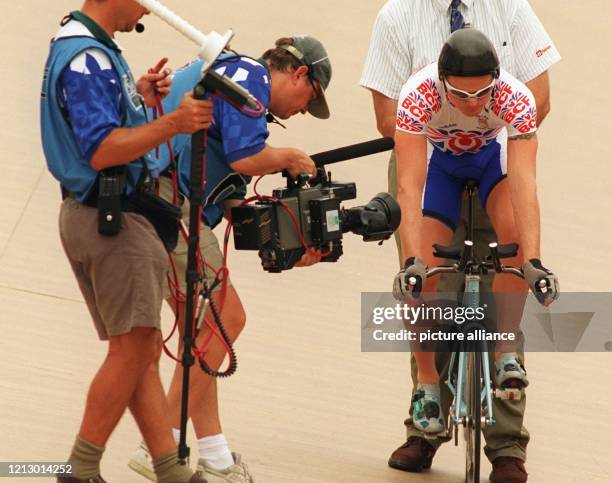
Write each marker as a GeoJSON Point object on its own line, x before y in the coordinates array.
{"type": "Point", "coordinates": [472, 378]}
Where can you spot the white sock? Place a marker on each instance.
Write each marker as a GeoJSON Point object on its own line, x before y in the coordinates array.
{"type": "Point", "coordinates": [176, 434]}
{"type": "Point", "coordinates": [215, 451]}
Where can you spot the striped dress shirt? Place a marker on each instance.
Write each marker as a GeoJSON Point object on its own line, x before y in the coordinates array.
{"type": "Point", "coordinates": [409, 34]}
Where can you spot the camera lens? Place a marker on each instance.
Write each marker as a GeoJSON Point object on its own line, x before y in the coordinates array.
{"type": "Point", "coordinates": [376, 220]}
{"type": "Point", "coordinates": [386, 204]}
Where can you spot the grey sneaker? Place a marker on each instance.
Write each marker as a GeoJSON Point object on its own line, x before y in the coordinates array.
{"type": "Point", "coordinates": [142, 462]}
{"type": "Point", "coordinates": [237, 473]}
{"type": "Point", "coordinates": [509, 372]}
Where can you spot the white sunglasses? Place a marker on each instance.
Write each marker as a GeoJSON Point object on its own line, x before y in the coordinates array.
{"type": "Point", "coordinates": [464, 95]}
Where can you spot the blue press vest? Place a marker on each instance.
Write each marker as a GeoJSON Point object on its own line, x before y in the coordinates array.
{"type": "Point", "coordinates": [62, 152]}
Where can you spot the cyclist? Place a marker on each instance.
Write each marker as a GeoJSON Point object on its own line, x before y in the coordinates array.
{"type": "Point", "coordinates": [465, 118]}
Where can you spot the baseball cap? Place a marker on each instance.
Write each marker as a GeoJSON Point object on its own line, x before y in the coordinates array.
{"type": "Point", "coordinates": [312, 54]}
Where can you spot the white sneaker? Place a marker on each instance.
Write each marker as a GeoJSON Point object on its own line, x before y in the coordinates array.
{"type": "Point", "coordinates": [142, 463]}
{"type": "Point", "coordinates": [237, 473]}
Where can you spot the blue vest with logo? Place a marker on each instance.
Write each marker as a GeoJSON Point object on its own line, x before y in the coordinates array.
{"type": "Point", "coordinates": [62, 152]}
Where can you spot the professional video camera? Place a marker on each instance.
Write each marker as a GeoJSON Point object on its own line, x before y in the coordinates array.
{"type": "Point", "coordinates": [307, 213]}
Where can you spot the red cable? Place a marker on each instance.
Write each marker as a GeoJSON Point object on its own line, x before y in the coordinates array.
{"type": "Point", "coordinates": [221, 274]}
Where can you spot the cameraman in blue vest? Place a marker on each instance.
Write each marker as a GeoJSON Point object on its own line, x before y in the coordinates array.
{"type": "Point", "coordinates": [93, 117]}
{"type": "Point", "coordinates": [289, 79]}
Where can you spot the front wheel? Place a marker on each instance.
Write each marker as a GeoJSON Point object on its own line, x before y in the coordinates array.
{"type": "Point", "coordinates": [472, 431]}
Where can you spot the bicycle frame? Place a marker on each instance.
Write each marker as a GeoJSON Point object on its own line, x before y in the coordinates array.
{"type": "Point", "coordinates": [473, 374]}
{"type": "Point", "coordinates": [471, 299]}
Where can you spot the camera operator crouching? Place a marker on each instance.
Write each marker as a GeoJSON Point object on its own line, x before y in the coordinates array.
{"type": "Point", "coordinates": [96, 141]}
{"type": "Point", "coordinates": [289, 79]}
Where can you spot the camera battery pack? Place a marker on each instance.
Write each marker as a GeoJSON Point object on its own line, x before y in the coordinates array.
{"type": "Point", "coordinates": [253, 226]}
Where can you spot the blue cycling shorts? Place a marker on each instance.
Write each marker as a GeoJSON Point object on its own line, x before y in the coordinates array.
{"type": "Point", "coordinates": [447, 174]}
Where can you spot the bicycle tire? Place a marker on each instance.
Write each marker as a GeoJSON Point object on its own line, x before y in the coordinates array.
{"type": "Point", "coordinates": [472, 428]}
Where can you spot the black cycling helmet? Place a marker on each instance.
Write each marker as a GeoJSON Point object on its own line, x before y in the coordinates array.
{"type": "Point", "coordinates": [468, 53]}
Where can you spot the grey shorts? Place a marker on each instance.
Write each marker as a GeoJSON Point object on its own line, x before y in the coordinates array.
{"type": "Point", "coordinates": [209, 245]}
{"type": "Point", "coordinates": [121, 277]}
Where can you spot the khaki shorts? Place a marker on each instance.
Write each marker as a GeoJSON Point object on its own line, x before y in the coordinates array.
{"type": "Point", "coordinates": [121, 277]}
{"type": "Point", "coordinates": [209, 245]}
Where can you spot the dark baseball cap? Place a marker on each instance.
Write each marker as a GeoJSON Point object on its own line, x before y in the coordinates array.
{"type": "Point", "coordinates": [312, 54]}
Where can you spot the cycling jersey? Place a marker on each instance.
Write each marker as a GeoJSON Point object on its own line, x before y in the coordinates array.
{"type": "Point", "coordinates": [423, 108]}
{"type": "Point", "coordinates": [463, 147]}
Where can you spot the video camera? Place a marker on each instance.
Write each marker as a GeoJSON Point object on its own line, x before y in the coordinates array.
{"type": "Point", "coordinates": [307, 213]}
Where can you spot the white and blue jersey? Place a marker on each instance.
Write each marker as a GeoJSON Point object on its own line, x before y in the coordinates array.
{"type": "Point", "coordinates": [231, 137]}
{"type": "Point", "coordinates": [88, 90]}
{"type": "Point", "coordinates": [463, 147]}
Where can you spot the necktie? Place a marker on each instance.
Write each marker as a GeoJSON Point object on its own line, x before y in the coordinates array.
{"type": "Point", "coordinates": [456, 18]}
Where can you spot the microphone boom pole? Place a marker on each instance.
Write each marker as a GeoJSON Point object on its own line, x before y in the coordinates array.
{"type": "Point", "coordinates": [210, 45]}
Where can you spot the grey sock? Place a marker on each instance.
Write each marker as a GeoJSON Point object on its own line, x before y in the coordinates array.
{"type": "Point", "coordinates": [85, 459]}
{"type": "Point", "coordinates": [169, 470]}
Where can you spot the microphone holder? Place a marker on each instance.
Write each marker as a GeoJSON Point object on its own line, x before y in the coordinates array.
{"type": "Point", "coordinates": [210, 45]}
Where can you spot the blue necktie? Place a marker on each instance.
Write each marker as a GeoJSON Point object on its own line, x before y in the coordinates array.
{"type": "Point", "coordinates": [456, 18]}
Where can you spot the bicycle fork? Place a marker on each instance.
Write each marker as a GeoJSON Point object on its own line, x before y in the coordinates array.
{"type": "Point", "coordinates": [471, 298]}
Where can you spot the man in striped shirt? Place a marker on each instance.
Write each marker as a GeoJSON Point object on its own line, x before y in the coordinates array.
{"type": "Point", "coordinates": [407, 36]}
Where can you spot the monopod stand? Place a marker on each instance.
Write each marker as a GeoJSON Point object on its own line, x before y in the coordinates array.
{"type": "Point", "coordinates": [211, 46]}
{"type": "Point", "coordinates": [211, 83]}
{"type": "Point", "coordinates": [196, 199]}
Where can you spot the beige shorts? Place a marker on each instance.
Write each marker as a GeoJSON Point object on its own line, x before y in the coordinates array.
{"type": "Point", "coordinates": [209, 245]}
{"type": "Point", "coordinates": [121, 277]}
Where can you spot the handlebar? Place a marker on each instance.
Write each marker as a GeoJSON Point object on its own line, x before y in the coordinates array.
{"type": "Point", "coordinates": [468, 263]}
{"type": "Point", "coordinates": [455, 269]}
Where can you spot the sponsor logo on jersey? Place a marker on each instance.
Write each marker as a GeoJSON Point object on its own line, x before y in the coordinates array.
{"type": "Point", "coordinates": [419, 106]}
{"type": "Point", "coordinates": [430, 94]}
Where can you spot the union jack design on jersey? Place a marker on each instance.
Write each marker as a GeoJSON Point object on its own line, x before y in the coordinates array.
{"type": "Point", "coordinates": [424, 108]}
{"type": "Point", "coordinates": [527, 122]}
{"type": "Point", "coordinates": [419, 106]}
{"type": "Point", "coordinates": [512, 107]}
{"type": "Point", "coordinates": [406, 122]}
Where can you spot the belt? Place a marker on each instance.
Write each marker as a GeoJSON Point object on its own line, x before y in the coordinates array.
{"type": "Point", "coordinates": [92, 201]}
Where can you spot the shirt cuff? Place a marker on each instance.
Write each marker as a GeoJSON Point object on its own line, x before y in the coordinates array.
{"type": "Point", "coordinates": [245, 153]}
